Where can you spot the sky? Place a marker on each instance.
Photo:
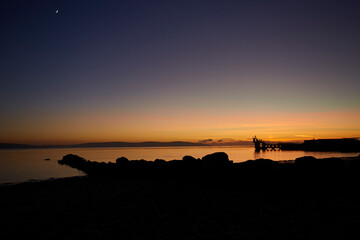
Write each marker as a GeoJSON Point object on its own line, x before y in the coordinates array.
{"type": "Point", "coordinates": [76, 71]}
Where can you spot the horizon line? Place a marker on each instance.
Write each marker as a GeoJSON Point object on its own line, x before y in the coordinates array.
{"type": "Point", "coordinates": [204, 142]}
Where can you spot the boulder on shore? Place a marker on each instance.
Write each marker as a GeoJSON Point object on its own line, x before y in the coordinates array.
{"type": "Point", "coordinates": [122, 161]}
{"type": "Point", "coordinates": [189, 159]}
{"type": "Point", "coordinates": [217, 158]}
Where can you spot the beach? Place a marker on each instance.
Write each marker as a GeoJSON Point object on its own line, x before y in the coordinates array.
{"type": "Point", "coordinates": [284, 202]}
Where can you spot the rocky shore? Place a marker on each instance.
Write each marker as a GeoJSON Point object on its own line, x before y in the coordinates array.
{"type": "Point", "coordinates": [208, 198]}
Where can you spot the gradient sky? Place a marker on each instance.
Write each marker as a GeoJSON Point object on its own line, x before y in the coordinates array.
{"type": "Point", "coordinates": [178, 70]}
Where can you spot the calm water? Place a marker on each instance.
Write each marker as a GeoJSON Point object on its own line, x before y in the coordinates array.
{"type": "Point", "coordinates": [27, 164]}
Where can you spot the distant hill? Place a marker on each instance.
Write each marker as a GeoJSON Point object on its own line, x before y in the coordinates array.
{"type": "Point", "coordinates": [103, 144]}
{"type": "Point", "coordinates": [14, 146]}
{"type": "Point", "coordinates": [140, 144]}
{"type": "Point", "coordinates": [125, 144]}
{"type": "Point", "coordinates": [234, 143]}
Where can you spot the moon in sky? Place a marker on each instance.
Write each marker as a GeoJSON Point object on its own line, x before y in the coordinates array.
{"type": "Point", "coordinates": [57, 11]}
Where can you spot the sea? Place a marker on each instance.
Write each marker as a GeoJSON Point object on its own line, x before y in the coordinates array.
{"type": "Point", "coordinates": [38, 164]}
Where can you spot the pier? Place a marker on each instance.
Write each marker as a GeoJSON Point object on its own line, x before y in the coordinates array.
{"type": "Point", "coordinates": [340, 145]}
{"type": "Point", "coordinates": [262, 145]}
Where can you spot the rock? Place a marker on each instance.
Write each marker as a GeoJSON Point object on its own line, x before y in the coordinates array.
{"type": "Point", "coordinates": [260, 164]}
{"type": "Point", "coordinates": [160, 162]}
{"type": "Point", "coordinates": [216, 159]}
{"type": "Point", "coordinates": [311, 164]}
{"type": "Point", "coordinates": [306, 161]}
{"type": "Point", "coordinates": [71, 159]}
{"type": "Point", "coordinates": [189, 159]}
{"type": "Point", "coordinates": [74, 161]}
{"type": "Point", "coordinates": [122, 161]}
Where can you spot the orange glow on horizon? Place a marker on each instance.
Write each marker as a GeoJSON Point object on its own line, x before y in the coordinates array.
{"type": "Point", "coordinates": [190, 126]}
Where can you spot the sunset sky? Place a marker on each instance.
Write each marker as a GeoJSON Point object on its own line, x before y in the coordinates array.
{"type": "Point", "coordinates": [178, 70]}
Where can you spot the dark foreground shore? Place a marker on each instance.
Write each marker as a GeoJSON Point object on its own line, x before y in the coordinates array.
{"type": "Point", "coordinates": [305, 199]}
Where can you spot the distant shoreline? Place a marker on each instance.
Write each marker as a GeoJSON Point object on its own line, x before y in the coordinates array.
{"type": "Point", "coordinates": [121, 144]}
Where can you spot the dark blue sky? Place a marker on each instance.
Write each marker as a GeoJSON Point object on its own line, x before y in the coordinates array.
{"type": "Point", "coordinates": [115, 58]}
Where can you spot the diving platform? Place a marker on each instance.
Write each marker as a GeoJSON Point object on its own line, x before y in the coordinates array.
{"type": "Point", "coordinates": [262, 145]}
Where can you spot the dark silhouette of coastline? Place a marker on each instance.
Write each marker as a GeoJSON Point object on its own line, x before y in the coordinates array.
{"type": "Point", "coordinates": [216, 163]}
{"type": "Point", "coordinates": [207, 198]}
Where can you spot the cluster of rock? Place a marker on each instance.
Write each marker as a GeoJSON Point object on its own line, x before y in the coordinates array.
{"type": "Point", "coordinates": [210, 161]}
{"type": "Point", "coordinates": [213, 163]}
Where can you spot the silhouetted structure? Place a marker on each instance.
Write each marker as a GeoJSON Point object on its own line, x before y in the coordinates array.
{"type": "Point", "coordinates": [340, 145]}
{"type": "Point", "coordinates": [262, 145]}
